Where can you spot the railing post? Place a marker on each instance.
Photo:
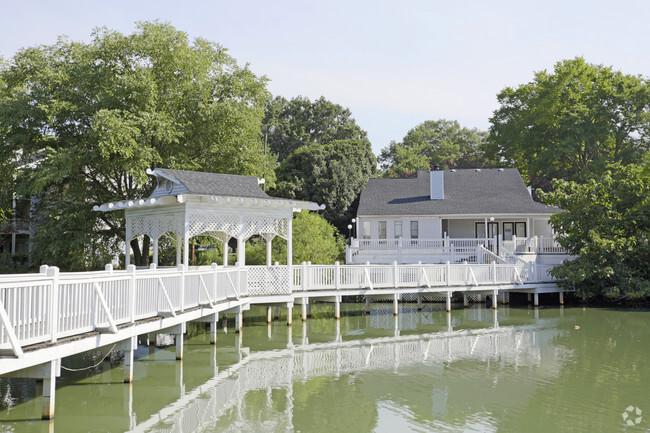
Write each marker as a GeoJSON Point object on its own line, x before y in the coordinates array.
{"type": "Point", "coordinates": [466, 272]}
{"type": "Point", "coordinates": [337, 275]}
{"type": "Point", "coordinates": [453, 253]}
{"type": "Point", "coordinates": [399, 251]}
{"type": "Point", "coordinates": [448, 273]}
{"type": "Point", "coordinates": [479, 254]}
{"type": "Point", "coordinates": [494, 273]}
{"type": "Point", "coordinates": [214, 268]}
{"type": "Point", "coordinates": [304, 276]}
{"type": "Point", "coordinates": [181, 268]}
{"type": "Point", "coordinates": [132, 286]}
{"type": "Point", "coordinates": [540, 247]}
{"type": "Point", "coordinates": [395, 275]}
{"type": "Point", "coordinates": [53, 272]}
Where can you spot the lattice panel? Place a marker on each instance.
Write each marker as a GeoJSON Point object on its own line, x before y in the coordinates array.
{"type": "Point", "coordinates": [237, 227]}
{"type": "Point", "coordinates": [169, 223]}
{"type": "Point", "coordinates": [272, 280]}
{"type": "Point", "coordinates": [139, 226]}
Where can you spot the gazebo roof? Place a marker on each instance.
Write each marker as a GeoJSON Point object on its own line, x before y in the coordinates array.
{"type": "Point", "coordinates": [200, 183]}
{"type": "Point", "coordinates": [182, 186]}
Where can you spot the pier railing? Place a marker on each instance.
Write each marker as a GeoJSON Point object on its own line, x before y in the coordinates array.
{"type": "Point", "coordinates": [45, 307]}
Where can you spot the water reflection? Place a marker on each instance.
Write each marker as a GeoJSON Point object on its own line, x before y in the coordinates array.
{"type": "Point", "coordinates": [471, 370]}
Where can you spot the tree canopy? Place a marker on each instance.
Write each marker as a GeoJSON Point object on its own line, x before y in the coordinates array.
{"type": "Point", "coordinates": [299, 122]}
{"type": "Point", "coordinates": [435, 142]}
{"type": "Point", "coordinates": [606, 225]}
{"type": "Point", "coordinates": [571, 123]}
{"type": "Point", "coordinates": [332, 174]}
{"type": "Point", "coordinates": [314, 240]}
{"type": "Point", "coordinates": [87, 120]}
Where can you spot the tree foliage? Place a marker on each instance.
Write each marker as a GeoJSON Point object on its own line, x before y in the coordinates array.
{"type": "Point", "coordinates": [435, 142]}
{"type": "Point", "coordinates": [299, 122]}
{"type": "Point", "coordinates": [332, 174]}
{"type": "Point", "coordinates": [90, 118]}
{"type": "Point", "coordinates": [606, 225]}
{"type": "Point", "coordinates": [314, 240]}
{"type": "Point", "coordinates": [571, 123]}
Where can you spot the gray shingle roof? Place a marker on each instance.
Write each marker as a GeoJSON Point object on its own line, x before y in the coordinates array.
{"type": "Point", "coordinates": [201, 183]}
{"type": "Point", "coordinates": [467, 192]}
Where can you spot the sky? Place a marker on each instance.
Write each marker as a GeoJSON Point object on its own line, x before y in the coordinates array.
{"type": "Point", "coordinates": [394, 64]}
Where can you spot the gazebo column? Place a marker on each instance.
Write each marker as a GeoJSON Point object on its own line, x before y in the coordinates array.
{"type": "Point", "coordinates": [179, 241]}
{"type": "Point", "coordinates": [268, 238]}
{"type": "Point", "coordinates": [241, 251]}
{"type": "Point", "coordinates": [127, 253]}
{"type": "Point", "coordinates": [225, 251]}
{"type": "Point", "coordinates": [155, 250]}
{"type": "Point", "coordinates": [186, 240]}
{"type": "Point", "coordinates": [290, 243]}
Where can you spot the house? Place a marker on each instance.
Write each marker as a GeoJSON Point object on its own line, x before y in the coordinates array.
{"type": "Point", "coordinates": [426, 215]}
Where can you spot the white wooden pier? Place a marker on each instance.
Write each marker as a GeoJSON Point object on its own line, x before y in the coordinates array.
{"type": "Point", "coordinates": [51, 315]}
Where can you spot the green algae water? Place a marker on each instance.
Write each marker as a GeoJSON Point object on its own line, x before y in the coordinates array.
{"type": "Point", "coordinates": [473, 370]}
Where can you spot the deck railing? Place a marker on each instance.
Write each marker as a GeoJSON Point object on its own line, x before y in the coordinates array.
{"type": "Point", "coordinates": [45, 307]}
{"type": "Point", "coordinates": [50, 305]}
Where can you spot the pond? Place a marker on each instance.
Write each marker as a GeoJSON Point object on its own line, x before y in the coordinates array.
{"type": "Point", "coordinates": [475, 369]}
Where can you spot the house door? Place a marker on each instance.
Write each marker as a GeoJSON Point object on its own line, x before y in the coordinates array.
{"type": "Point", "coordinates": [493, 230]}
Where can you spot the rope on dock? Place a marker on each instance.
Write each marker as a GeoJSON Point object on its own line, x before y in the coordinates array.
{"type": "Point", "coordinates": [92, 366]}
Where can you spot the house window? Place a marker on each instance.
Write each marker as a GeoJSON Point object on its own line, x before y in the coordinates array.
{"type": "Point", "coordinates": [520, 230]}
{"type": "Point", "coordinates": [366, 229]}
{"type": "Point", "coordinates": [414, 230]}
{"type": "Point", "coordinates": [382, 229]}
{"type": "Point", "coordinates": [398, 229]}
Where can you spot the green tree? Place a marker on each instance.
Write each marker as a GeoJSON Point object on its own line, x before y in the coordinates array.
{"type": "Point", "coordinates": [571, 123]}
{"type": "Point", "coordinates": [435, 142]}
{"type": "Point", "coordinates": [299, 122]}
{"type": "Point", "coordinates": [606, 225]}
{"type": "Point", "coordinates": [332, 174]}
{"type": "Point", "coordinates": [314, 240]}
{"type": "Point", "coordinates": [89, 118]}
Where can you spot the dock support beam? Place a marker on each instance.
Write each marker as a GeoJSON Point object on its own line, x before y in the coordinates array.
{"type": "Point", "coordinates": [269, 314]}
{"type": "Point", "coordinates": [395, 304]}
{"type": "Point", "coordinates": [239, 320]}
{"type": "Point", "coordinates": [448, 302]}
{"type": "Point", "coordinates": [49, 388]}
{"type": "Point", "coordinates": [419, 302]}
{"type": "Point", "coordinates": [337, 307]}
{"type": "Point", "coordinates": [530, 298]}
{"type": "Point", "coordinates": [536, 299]}
{"type": "Point", "coordinates": [303, 310]}
{"type": "Point", "coordinates": [561, 297]}
{"type": "Point", "coordinates": [213, 329]}
{"type": "Point", "coordinates": [367, 305]}
{"type": "Point", "coordinates": [289, 315]}
{"type": "Point", "coordinates": [495, 297]}
{"type": "Point", "coordinates": [465, 300]}
{"type": "Point", "coordinates": [129, 347]}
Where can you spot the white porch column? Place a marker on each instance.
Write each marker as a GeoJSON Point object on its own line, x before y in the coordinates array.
{"type": "Point", "coordinates": [179, 241]}
{"type": "Point", "coordinates": [186, 240]}
{"type": "Point", "coordinates": [268, 238]}
{"type": "Point", "coordinates": [528, 233]}
{"type": "Point", "coordinates": [290, 243]}
{"type": "Point", "coordinates": [225, 252]}
{"type": "Point", "coordinates": [241, 251]}
{"type": "Point", "coordinates": [155, 251]}
{"type": "Point", "coordinates": [127, 253]}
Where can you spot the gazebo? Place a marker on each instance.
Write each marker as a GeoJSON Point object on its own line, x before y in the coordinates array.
{"type": "Point", "coordinates": [223, 206]}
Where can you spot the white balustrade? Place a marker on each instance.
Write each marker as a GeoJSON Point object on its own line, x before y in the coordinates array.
{"type": "Point", "coordinates": [50, 305]}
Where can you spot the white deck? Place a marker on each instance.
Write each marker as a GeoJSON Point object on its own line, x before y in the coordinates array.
{"type": "Point", "coordinates": [51, 315]}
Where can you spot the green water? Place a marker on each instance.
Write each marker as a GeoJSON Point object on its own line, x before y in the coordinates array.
{"type": "Point", "coordinates": [516, 370]}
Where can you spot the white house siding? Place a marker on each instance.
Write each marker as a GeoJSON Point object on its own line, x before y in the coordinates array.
{"type": "Point", "coordinates": [431, 227]}
{"type": "Point", "coordinates": [428, 227]}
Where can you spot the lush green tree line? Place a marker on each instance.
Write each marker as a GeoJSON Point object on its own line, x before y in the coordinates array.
{"type": "Point", "coordinates": [81, 122]}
